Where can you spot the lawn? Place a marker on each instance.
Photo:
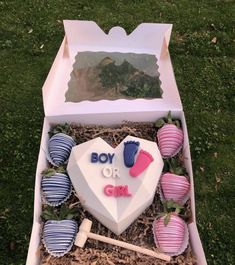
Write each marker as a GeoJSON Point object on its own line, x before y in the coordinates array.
{"type": "Point", "coordinates": [202, 55]}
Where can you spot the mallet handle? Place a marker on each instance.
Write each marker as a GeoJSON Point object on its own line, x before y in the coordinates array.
{"type": "Point", "coordinates": [129, 246]}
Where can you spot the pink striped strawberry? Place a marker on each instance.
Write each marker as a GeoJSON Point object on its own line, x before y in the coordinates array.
{"type": "Point", "coordinates": [169, 237]}
{"type": "Point", "coordinates": [170, 233]}
{"type": "Point", "coordinates": [169, 136]}
{"type": "Point", "coordinates": [174, 184]}
{"type": "Point", "coordinates": [174, 187]}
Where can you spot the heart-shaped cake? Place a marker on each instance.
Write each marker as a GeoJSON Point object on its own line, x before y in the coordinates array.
{"type": "Point", "coordinates": [115, 184]}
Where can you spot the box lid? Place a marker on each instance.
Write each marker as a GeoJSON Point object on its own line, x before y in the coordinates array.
{"type": "Point", "coordinates": [149, 39]}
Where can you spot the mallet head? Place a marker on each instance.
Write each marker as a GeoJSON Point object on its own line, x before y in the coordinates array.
{"type": "Point", "coordinates": [82, 234]}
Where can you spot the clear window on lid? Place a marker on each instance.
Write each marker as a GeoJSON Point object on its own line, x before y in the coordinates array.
{"type": "Point", "coordinates": [113, 75]}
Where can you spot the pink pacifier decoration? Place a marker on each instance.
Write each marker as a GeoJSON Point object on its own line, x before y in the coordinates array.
{"type": "Point", "coordinates": [143, 160]}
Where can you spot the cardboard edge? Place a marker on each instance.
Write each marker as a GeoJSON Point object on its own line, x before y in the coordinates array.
{"type": "Point", "coordinates": [46, 88]}
{"type": "Point", "coordinates": [33, 257]}
{"type": "Point", "coordinates": [193, 231]}
{"type": "Point", "coordinates": [188, 165]}
{"type": "Point", "coordinates": [41, 165]}
{"type": "Point", "coordinates": [197, 244]}
{"type": "Point", "coordinates": [89, 29]}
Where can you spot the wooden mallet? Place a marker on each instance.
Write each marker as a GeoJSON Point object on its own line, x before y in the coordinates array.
{"type": "Point", "coordinates": [84, 233]}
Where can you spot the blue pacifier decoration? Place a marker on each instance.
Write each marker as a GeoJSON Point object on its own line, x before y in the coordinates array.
{"type": "Point", "coordinates": [130, 150]}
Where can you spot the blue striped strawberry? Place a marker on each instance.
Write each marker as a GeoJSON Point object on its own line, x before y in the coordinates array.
{"type": "Point", "coordinates": [56, 186]}
{"type": "Point", "coordinates": [59, 231]}
{"type": "Point", "coordinates": [169, 136]}
{"type": "Point", "coordinates": [170, 233]}
{"type": "Point", "coordinates": [59, 148]}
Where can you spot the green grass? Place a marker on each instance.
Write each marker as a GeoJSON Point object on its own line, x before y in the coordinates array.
{"type": "Point", "coordinates": [31, 33]}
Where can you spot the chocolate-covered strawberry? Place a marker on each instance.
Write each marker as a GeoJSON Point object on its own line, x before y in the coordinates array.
{"type": "Point", "coordinates": [169, 237]}
{"type": "Point", "coordinates": [59, 148]}
{"type": "Point", "coordinates": [59, 231]}
{"type": "Point", "coordinates": [170, 233]}
{"type": "Point", "coordinates": [175, 184]}
{"type": "Point", "coordinates": [174, 187]}
{"type": "Point", "coordinates": [56, 186]}
{"type": "Point", "coordinates": [169, 136]}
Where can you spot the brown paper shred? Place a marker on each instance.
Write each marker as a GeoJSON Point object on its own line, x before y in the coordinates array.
{"type": "Point", "coordinates": [138, 233]}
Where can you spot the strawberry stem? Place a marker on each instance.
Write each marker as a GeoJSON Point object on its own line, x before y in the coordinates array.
{"type": "Point", "coordinates": [173, 166]}
{"type": "Point", "coordinates": [167, 219]}
{"type": "Point", "coordinates": [177, 123]}
{"type": "Point", "coordinates": [64, 213]}
{"type": "Point", "coordinates": [52, 171]}
{"type": "Point", "coordinates": [60, 128]}
{"type": "Point", "coordinates": [159, 123]}
{"type": "Point", "coordinates": [50, 213]}
{"type": "Point", "coordinates": [177, 210]}
{"type": "Point", "coordinates": [172, 206]}
{"type": "Point", "coordinates": [169, 118]}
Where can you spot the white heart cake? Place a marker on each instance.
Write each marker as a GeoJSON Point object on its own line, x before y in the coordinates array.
{"type": "Point", "coordinates": [115, 184]}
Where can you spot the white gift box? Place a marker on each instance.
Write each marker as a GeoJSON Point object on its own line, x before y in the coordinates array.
{"type": "Point", "coordinates": [81, 36]}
